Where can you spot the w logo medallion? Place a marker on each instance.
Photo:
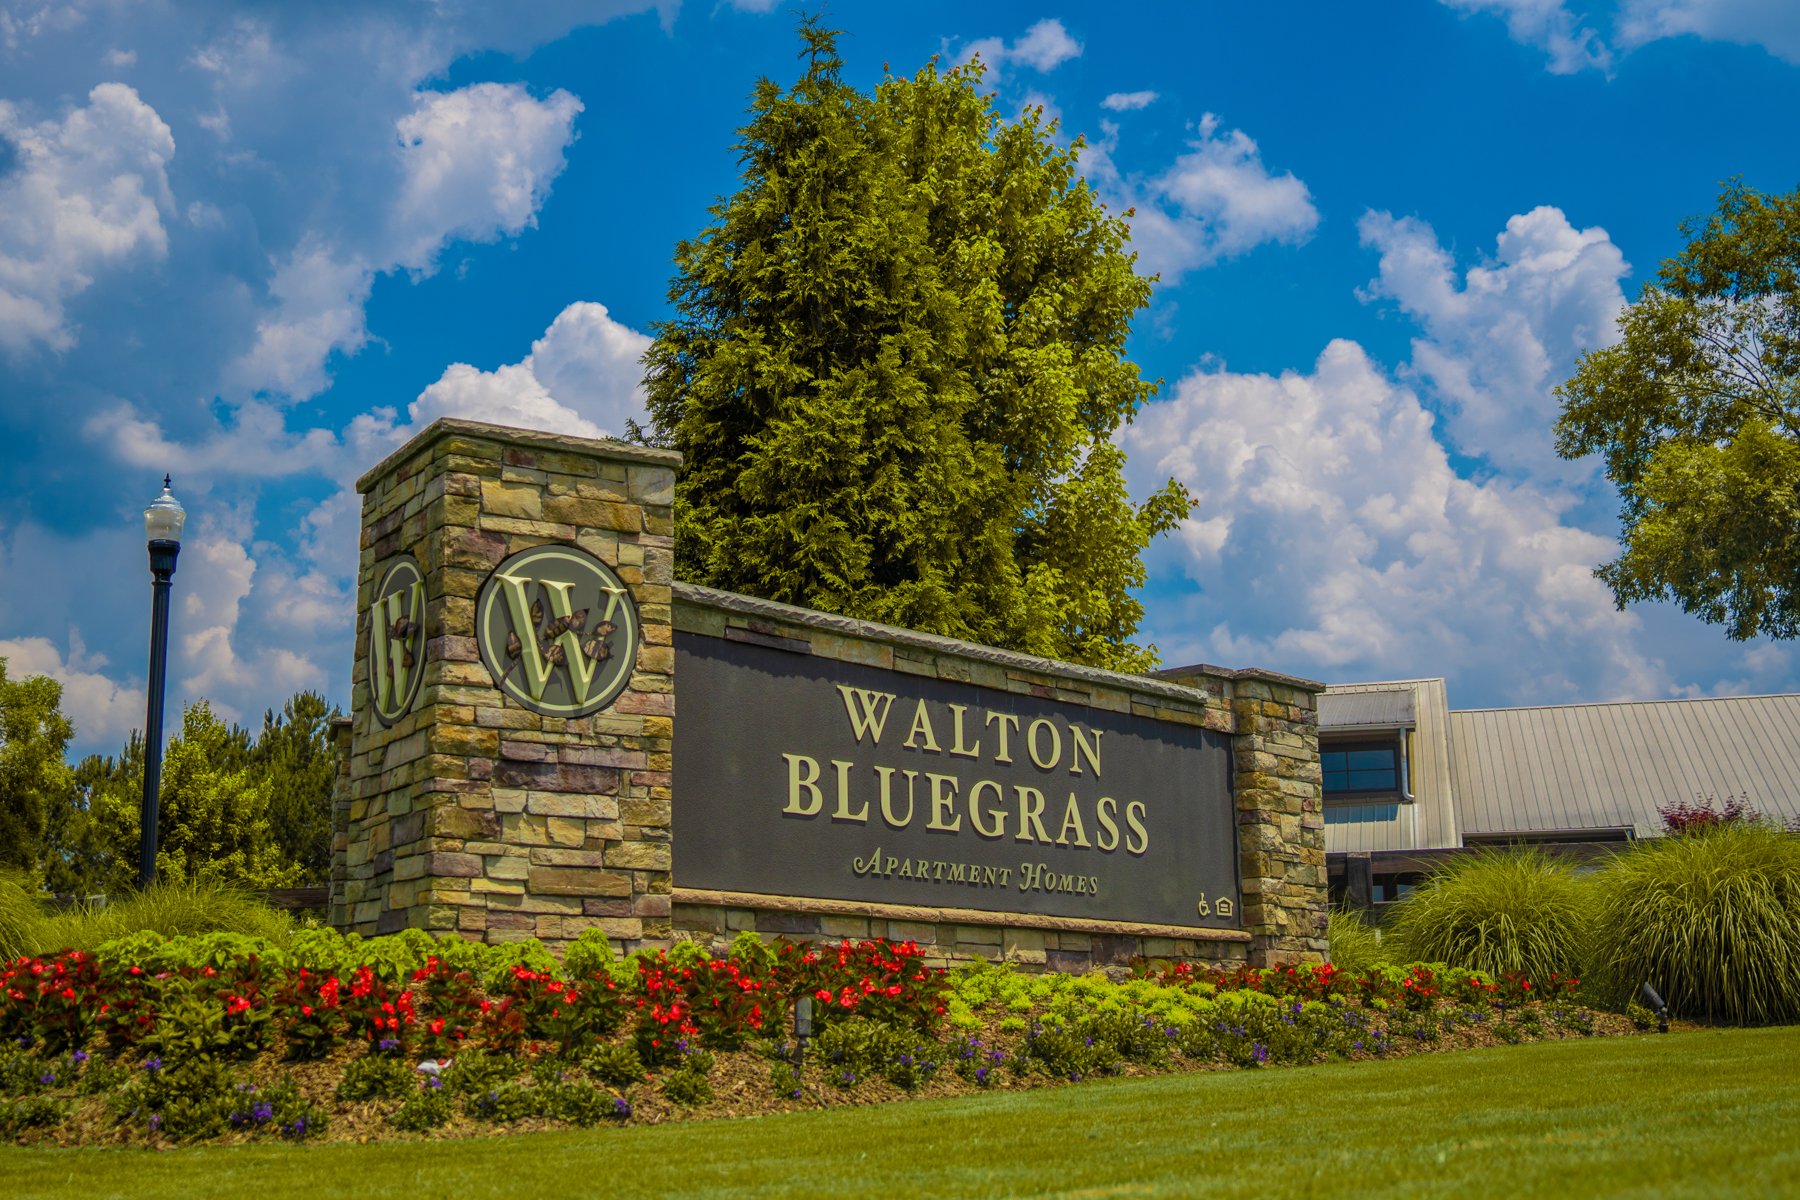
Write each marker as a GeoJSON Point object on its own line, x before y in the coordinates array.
{"type": "Point", "coordinates": [397, 640]}
{"type": "Point", "coordinates": [558, 630]}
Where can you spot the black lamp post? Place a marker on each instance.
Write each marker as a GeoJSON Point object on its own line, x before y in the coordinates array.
{"type": "Point", "coordinates": [162, 527]}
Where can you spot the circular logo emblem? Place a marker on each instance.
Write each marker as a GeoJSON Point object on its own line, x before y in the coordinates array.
{"type": "Point", "coordinates": [397, 640]}
{"type": "Point", "coordinates": [558, 630]}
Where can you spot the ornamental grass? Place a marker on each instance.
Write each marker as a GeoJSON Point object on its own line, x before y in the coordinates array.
{"type": "Point", "coordinates": [1516, 911]}
{"type": "Point", "coordinates": [1354, 944]}
{"type": "Point", "coordinates": [20, 919]}
{"type": "Point", "coordinates": [1710, 918]}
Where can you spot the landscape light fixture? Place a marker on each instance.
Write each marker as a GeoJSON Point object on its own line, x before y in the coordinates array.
{"type": "Point", "coordinates": [803, 1027]}
{"type": "Point", "coordinates": [1656, 1005]}
{"type": "Point", "coordinates": [162, 528]}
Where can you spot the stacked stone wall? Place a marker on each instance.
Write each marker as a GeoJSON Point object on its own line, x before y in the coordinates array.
{"type": "Point", "coordinates": [472, 813]}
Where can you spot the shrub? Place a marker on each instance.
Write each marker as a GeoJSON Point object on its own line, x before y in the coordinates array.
{"type": "Point", "coordinates": [474, 1071]}
{"type": "Point", "coordinates": [1710, 918]}
{"type": "Point", "coordinates": [507, 1103]}
{"type": "Point", "coordinates": [1355, 945]}
{"type": "Point", "coordinates": [1514, 911]}
{"type": "Point", "coordinates": [427, 1108]}
{"type": "Point", "coordinates": [615, 1066]}
{"type": "Point", "coordinates": [687, 1087]}
{"type": "Point", "coordinates": [30, 1112]}
{"type": "Point", "coordinates": [376, 1077]}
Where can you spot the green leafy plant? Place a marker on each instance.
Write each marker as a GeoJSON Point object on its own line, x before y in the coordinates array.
{"type": "Point", "coordinates": [687, 1087]}
{"type": "Point", "coordinates": [425, 1109]}
{"type": "Point", "coordinates": [615, 1066]}
{"type": "Point", "coordinates": [376, 1077]}
{"type": "Point", "coordinates": [30, 1112]}
{"type": "Point", "coordinates": [1501, 911]}
{"type": "Point", "coordinates": [1711, 919]}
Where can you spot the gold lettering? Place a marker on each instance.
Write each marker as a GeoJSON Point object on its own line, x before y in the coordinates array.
{"type": "Point", "coordinates": [1031, 743]}
{"type": "Point", "coordinates": [868, 711]}
{"type": "Point", "coordinates": [1108, 836]}
{"type": "Point", "coordinates": [1027, 876]}
{"type": "Point", "coordinates": [905, 870]}
{"type": "Point", "coordinates": [868, 866]}
{"type": "Point", "coordinates": [921, 725]}
{"type": "Point", "coordinates": [1031, 814]}
{"type": "Point", "coordinates": [843, 812]}
{"type": "Point", "coordinates": [1134, 817]}
{"type": "Point", "coordinates": [957, 747]}
{"type": "Point", "coordinates": [975, 812]}
{"type": "Point", "coordinates": [1072, 816]}
{"type": "Point", "coordinates": [803, 775]}
{"type": "Point", "coordinates": [959, 873]}
{"type": "Point", "coordinates": [1080, 748]}
{"type": "Point", "coordinates": [886, 775]}
{"type": "Point", "coordinates": [942, 801]}
{"type": "Point", "coordinates": [1009, 724]}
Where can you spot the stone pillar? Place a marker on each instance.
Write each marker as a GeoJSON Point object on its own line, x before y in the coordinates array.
{"type": "Point", "coordinates": [513, 714]}
{"type": "Point", "coordinates": [1279, 791]}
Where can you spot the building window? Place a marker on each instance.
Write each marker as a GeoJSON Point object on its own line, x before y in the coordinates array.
{"type": "Point", "coordinates": [1360, 768]}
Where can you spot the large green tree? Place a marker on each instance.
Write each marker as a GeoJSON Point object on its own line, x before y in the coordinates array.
{"type": "Point", "coordinates": [296, 759]}
{"type": "Point", "coordinates": [895, 369]}
{"type": "Point", "coordinates": [1697, 412]}
{"type": "Point", "coordinates": [34, 778]}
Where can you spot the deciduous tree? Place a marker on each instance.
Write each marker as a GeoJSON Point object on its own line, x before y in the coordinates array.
{"type": "Point", "coordinates": [1697, 412]}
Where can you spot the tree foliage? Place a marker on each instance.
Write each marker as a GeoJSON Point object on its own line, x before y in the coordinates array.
{"type": "Point", "coordinates": [1697, 412]}
{"type": "Point", "coordinates": [34, 778]}
{"type": "Point", "coordinates": [896, 366]}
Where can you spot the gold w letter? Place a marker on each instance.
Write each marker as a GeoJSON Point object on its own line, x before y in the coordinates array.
{"type": "Point", "coordinates": [537, 668]}
{"type": "Point", "coordinates": [867, 710]}
{"type": "Point", "coordinates": [396, 680]}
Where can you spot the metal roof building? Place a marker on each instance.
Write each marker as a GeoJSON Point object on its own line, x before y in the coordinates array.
{"type": "Point", "coordinates": [1408, 779]}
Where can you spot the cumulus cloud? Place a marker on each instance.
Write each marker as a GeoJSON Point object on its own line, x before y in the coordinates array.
{"type": "Point", "coordinates": [1128, 101]}
{"type": "Point", "coordinates": [85, 193]}
{"type": "Point", "coordinates": [1215, 201]}
{"type": "Point", "coordinates": [477, 163]}
{"type": "Point", "coordinates": [583, 377]}
{"type": "Point", "coordinates": [1550, 27]}
{"type": "Point", "coordinates": [1498, 337]}
{"type": "Point", "coordinates": [1771, 24]}
{"type": "Point", "coordinates": [1571, 46]}
{"type": "Point", "coordinates": [102, 710]}
{"type": "Point", "coordinates": [1043, 47]}
{"type": "Point", "coordinates": [1333, 537]}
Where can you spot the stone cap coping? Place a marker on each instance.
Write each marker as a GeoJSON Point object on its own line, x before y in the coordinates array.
{"type": "Point", "coordinates": [751, 606]}
{"type": "Point", "coordinates": [1260, 674]}
{"type": "Point", "coordinates": [445, 427]}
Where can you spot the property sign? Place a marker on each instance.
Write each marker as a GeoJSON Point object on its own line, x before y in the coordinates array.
{"type": "Point", "coordinates": [800, 775]}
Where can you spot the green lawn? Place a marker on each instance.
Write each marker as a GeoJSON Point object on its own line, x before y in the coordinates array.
{"type": "Point", "coordinates": [1697, 1114]}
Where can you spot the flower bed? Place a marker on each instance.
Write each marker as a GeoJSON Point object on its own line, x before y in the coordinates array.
{"type": "Point", "coordinates": [152, 1041]}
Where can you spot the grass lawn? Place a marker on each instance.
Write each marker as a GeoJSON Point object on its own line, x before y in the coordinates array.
{"type": "Point", "coordinates": [1696, 1114]}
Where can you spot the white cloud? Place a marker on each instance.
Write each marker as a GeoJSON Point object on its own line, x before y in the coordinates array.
{"type": "Point", "coordinates": [1128, 101]}
{"type": "Point", "coordinates": [102, 710]}
{"type": "Point", "coordinates": [1500, 337]}
{"type": "Point", "coordinates": [318, 309]}
{"type": "Point", "coordinates": [477, 163]}
{"type": "Point", "coordinates": [1548, 26]}
{"type": "Point", "coordinates": [1771, 24]}
{"type": "Point", "coordinates": [86, 193]}
{"type": "Point", "coordinates": [1333, 537]}
{"type": "Point", "coordinates": [1215, 201]}
{"type": "Point", "coordinates": [583, 377]}
{"type": "Point", "coordinates": [256, 444]}
{"type": "Point", "coordinates": [1043, 47]}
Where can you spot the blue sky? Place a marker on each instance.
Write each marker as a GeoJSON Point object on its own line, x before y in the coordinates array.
{"type": "Point", "coordinates": [257, 246]}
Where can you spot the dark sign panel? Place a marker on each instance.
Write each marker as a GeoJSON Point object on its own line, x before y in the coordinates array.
{"type": "Point", "coordinates": [798, 775]}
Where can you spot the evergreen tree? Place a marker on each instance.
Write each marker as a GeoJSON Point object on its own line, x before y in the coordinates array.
{"type": "Point", "coordinates": [213, 820]}
{"type": "Point", "coordinates": [296, 760]}
{"type": "Point", "coordinates": [896, 366]}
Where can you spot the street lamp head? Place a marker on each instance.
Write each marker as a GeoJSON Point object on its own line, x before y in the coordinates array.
{"type": "Point", "coordinates": [165, 516]}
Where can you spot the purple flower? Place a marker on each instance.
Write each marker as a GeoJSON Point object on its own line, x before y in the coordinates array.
{"type": "Point", "coordinates": [1259, 1052]}
{"type": "Point", "coordinates": [152, 1065]}
{"type": "Point", "coordinates": [155, 1122]}
{"type": "Point", "coordinates": [80, 1056]}
{"type": "Point", "coordinates": [48, 1077]}
{"type": "Point", "coordinates": [981, 1074]}
{"type": "Point", "coordinates": [622, 1107]}
{"type": "Point", "coordinates": [388, 1045]}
